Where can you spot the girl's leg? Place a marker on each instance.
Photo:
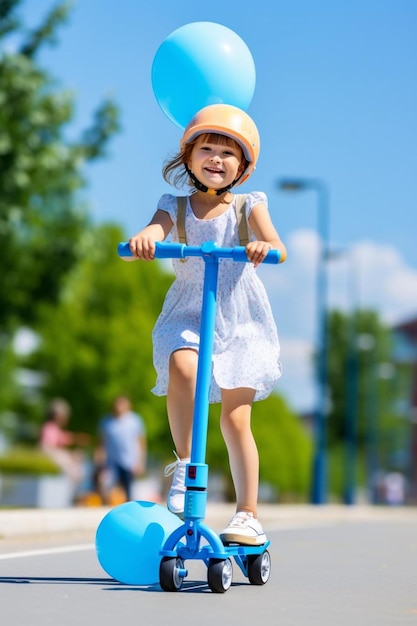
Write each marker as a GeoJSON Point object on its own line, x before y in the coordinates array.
{"type": "Point", "coordinates": [180, 407]}
{"type": "Point", "coordinates": [244, 528]}
{"type": "Point", "coordinates": [180, 398]}
{"type": "Point", "coordinates": [235, 423]}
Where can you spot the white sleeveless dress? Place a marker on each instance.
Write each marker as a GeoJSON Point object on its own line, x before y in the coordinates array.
{"type": "Point", "coordinates": [246, 346]}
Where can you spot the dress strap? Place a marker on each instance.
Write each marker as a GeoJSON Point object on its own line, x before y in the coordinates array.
{"type": "Point", "coordinates": [242, 222]}
{"type": "Point", "coordinates": [181, 211]}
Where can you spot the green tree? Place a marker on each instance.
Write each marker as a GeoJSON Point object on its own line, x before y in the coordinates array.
{"type": "Point", "coordinates": [41, 213]}
{"type": "Point", "coordinates": [358, 344]}
{"type": "Point", "coordinates": [366, 424]}
{"type": "Point", "coordinates": [96, 341]}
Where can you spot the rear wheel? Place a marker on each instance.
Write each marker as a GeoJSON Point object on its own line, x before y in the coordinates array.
{"type": "Point", "coordinates": [259, 568]}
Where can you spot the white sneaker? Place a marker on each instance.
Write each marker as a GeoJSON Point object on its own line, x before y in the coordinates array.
{"type": "Point", "coordinates": [176, 495]}
{"type": "Point", "coordinates": [245, 529]}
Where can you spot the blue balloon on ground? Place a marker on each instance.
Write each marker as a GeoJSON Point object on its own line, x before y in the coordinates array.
{"type": "Point", "coordinates": [199, 64]}
{"type": "Point", "coordinates": [129, 538]}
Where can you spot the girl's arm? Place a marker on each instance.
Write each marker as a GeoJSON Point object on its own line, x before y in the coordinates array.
{"type": "Point", "coordinates": [142, 245]}
{"type": "Point", "coordinates": [266, 235]}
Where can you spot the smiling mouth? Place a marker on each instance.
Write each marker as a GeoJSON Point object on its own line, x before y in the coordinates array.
{"type": "Point", "coordinates": [213, 170]}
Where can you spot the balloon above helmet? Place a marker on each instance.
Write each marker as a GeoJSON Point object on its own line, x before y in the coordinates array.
{"type": "Point", "coordinates": [201, 64]}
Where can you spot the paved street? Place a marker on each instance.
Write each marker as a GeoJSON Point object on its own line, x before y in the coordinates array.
{"type": "Point", "coordinates": [331, 566]}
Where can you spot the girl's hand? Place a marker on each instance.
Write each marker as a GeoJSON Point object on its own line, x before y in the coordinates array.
{"type": "Point", "coordinates": [257, 250]}
{"type": "Point", "coordinates": [142, 247]}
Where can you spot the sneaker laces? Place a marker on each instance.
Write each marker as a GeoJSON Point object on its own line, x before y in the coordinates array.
{"type": "Point", "coordinates": [240, 518]}
{"type": "Point", "coordinates": [178, 469]}
{"type": "Point", "coordinates": [170, 469]}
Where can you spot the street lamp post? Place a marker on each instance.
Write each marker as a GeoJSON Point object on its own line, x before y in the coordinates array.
{"type": "Point", "coordinates": [320, 479]}
{"type": "Point", "coordinates": [352, 383]}
{"type": "Point", "coordinates": [351, 421]}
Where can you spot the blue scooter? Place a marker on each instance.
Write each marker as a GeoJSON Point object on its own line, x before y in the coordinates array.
{"type": "Point", "coordinates": [193, 540]}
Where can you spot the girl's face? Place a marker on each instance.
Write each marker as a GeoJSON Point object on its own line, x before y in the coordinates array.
{"type": "Point", "coordinates": [216, 160]}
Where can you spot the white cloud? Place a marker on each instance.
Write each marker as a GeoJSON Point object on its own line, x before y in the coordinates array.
{"type": "Point", "coordinates": [292, 286]}
{"type": "Point", "coordinates": [298, 379]}
{"type": "Point", "coordinates": [375, 277]}
{"type": "Point", "coordinates": [366, 275]}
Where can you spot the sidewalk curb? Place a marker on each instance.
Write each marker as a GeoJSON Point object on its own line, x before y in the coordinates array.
{"type": "Point", "coordinates": [16, 523]}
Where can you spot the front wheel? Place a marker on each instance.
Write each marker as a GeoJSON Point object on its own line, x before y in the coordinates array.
{"type": "Point", "coordinates": [259, 568]}
{"type": "Point", "coordinates": [219, 575]}
{"type": "Point", "coordinates": [171, 573]}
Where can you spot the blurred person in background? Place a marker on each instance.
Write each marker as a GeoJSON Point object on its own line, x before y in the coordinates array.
{"type": "Point", "coordinates": [121, 456]}
{"type": "Point", "coordinates": [63, 445]}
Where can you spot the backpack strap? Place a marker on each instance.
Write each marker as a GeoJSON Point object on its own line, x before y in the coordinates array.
{"type": "Point", "coordinates": [242, 222]}
{"type": "Point", "coordinates": [181, 211]}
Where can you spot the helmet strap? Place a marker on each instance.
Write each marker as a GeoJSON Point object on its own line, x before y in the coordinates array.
{"type": "Point", "coordinates": [199, 185]}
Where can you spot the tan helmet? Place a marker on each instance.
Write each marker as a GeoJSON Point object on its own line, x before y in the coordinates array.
{"type": "Point", "coordinates": [225, 119]}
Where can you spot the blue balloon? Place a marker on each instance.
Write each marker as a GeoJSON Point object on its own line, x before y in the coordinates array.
{"type": "Point", "coordinates": [200, 64]}
{"type": "Point", "coordinates": [129, 538]}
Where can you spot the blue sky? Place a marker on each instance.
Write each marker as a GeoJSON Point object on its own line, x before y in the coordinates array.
{"type": "Point", "coordinates": [335, 99]}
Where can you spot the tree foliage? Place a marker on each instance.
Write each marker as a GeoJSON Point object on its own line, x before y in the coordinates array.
{"type": "Point", "coordinates": [41, 215]}
{"type": "Point", "coordinates": [359, 344]}
{"type": "Point", "coordinates": [367, 423]}
{"type": "Point", "coordinates": [96, 341]}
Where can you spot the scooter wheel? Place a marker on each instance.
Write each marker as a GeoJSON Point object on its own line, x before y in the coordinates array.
{"type": "Point", "coordinates": [171, 573]}
{"type": "Point", "coordinates": [259, 568]}
{"type": "Point", "coordinates": [219, 575]}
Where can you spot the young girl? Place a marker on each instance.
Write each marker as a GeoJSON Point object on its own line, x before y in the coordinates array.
{"type": "Point", "coordinates": [219, 150]}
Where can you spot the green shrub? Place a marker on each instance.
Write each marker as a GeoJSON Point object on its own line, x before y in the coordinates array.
{"type": "Point", "coordinates": [29, 461]}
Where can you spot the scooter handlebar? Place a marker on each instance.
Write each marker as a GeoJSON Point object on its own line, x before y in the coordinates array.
{"type": "Point", "coordinates": [164, 250]}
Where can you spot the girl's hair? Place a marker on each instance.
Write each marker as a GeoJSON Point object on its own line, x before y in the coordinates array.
{"type": "Point", "coordinates": [174, 171]}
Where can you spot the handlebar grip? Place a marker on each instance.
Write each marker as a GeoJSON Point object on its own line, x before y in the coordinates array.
{"type": "Point", "coordinates": [123, 249]}
{"type": "Point", "coordinates": [239, 254]}
{"type": "Point", "coordinates": [273, 257]}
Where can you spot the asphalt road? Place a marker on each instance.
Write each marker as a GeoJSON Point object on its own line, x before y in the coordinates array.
{"type": "Point", "coordinates": [330, 567]}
